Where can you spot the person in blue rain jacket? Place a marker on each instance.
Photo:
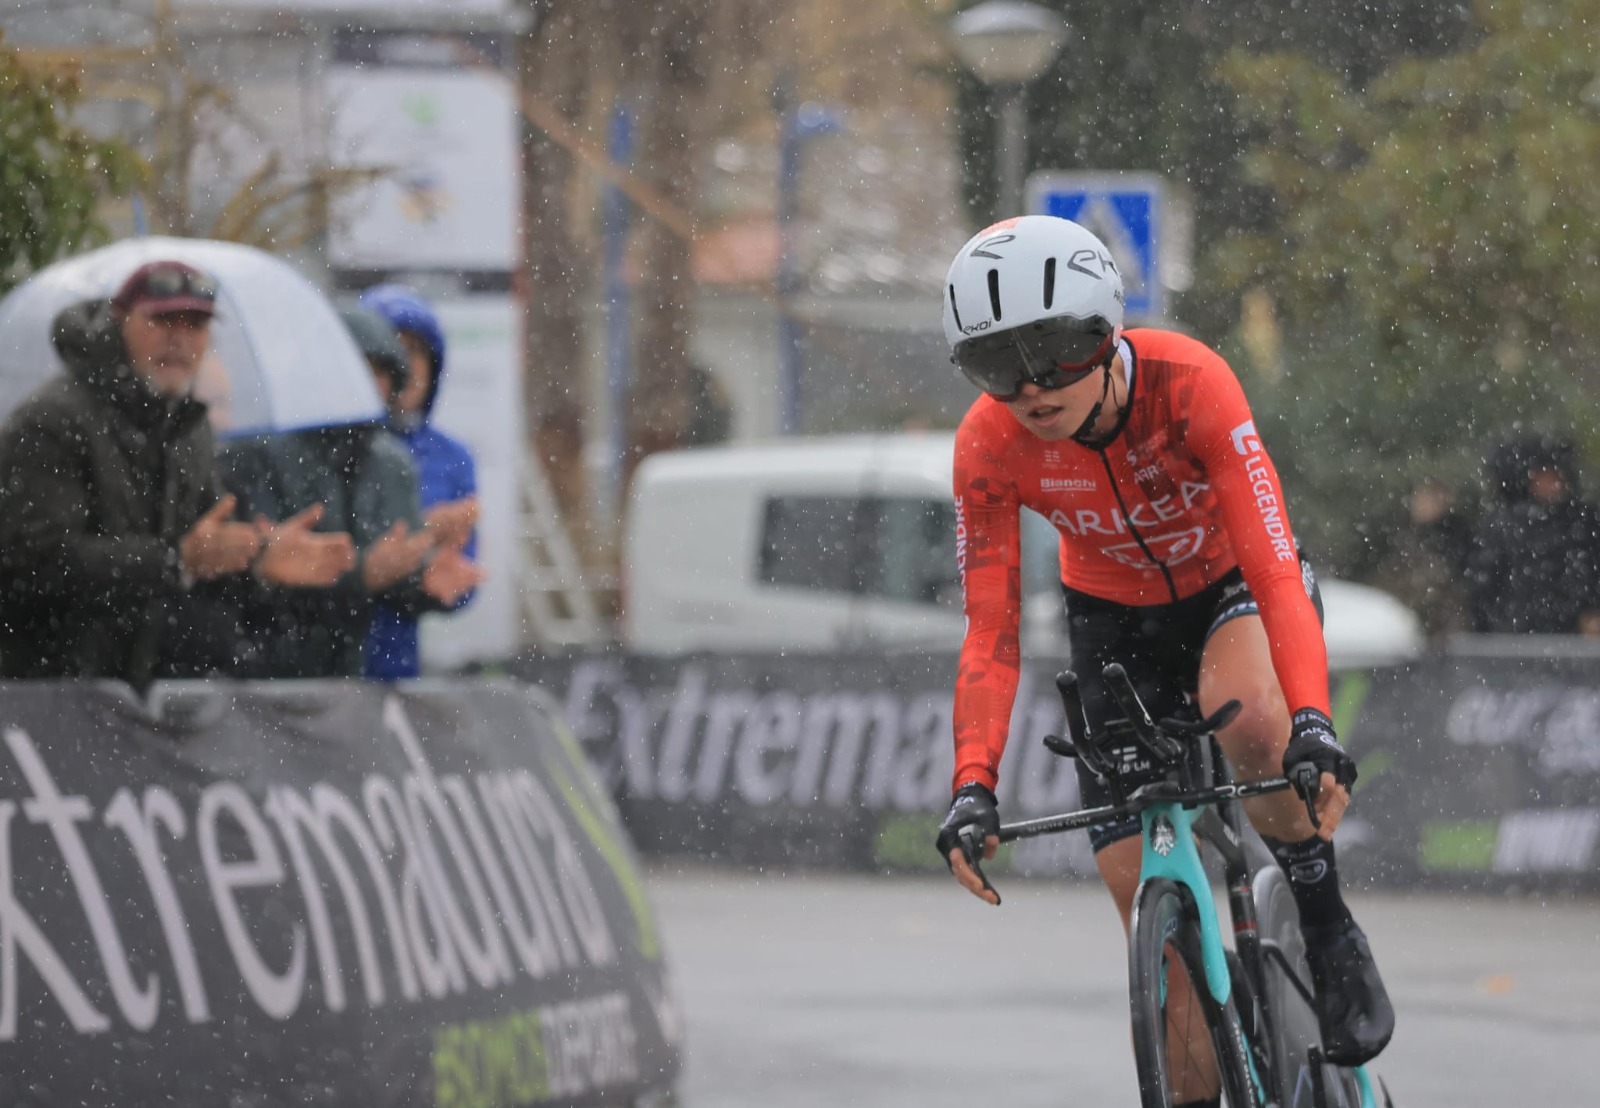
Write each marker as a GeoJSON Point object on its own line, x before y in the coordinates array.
{"type": "Point", "coordinates": [447, 478]}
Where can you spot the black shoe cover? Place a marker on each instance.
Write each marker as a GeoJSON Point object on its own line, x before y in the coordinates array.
{"type": "Point", "coordinates": [1352, 1005]}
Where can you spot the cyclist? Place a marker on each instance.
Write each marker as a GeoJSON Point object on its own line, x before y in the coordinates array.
{"type": "Point", "coordinates": [1177, 560]}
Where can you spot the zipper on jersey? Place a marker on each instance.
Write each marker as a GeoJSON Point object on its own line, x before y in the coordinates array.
{"type": "Point", "coordinates": [1127, 517]}
{"type": "Point", "coordinates": [1116, 490]}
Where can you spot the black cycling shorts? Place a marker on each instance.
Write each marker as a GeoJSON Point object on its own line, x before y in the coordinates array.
{"type": "Point", "coordinates": [1160, 646]}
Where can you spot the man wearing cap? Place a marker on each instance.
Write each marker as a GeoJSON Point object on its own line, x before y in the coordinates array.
{"type": "Point", "coordinates": [118, 550]}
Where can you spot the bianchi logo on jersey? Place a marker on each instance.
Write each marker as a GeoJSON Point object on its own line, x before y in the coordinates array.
{"type": "Point", "coordinates": [1163, 837]}
{"type": "Point", "coordinates": [1170, 550]}
{"type": "Point", "coordinates": [1066, 484]}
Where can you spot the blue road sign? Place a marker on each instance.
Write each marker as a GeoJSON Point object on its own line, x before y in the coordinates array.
{"type": "Point", "coordinates": [1126, 211]}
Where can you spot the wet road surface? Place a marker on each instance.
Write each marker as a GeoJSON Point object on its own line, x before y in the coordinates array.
{"type": "Point", "coordinates": [809, 990]}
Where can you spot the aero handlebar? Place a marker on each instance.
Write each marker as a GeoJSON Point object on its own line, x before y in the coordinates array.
{"type": "Point", "coordinates": [1165, 741]}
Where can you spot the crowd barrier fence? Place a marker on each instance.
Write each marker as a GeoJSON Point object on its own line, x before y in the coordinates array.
{"type": "Point", "coordinates": [318, 893]}
{"type": "Point", "coordinates": [1477, 769]}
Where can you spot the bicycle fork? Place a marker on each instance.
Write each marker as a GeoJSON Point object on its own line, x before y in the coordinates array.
{"type": "Point", "coordinates": [1171, 851]}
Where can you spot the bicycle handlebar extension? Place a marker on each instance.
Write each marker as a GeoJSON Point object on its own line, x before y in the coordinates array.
{"type": "Point", "coordinates": [1163, 740]}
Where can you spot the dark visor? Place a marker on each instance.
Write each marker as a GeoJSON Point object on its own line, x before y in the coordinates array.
{"type": "Point", "coordinates": [1052, 354]}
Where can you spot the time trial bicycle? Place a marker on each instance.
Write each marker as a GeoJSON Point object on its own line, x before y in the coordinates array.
{"type": "Point", "coordinates": [1252, 1002]}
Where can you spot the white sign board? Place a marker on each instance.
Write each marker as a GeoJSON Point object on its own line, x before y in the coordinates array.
{"type": "Point", "coordinates": [480, 403]}
{"type": "Point", "coordinates": [447, 140]}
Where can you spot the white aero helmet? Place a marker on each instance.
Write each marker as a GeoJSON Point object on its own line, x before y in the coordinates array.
{"type": "Point", "coordinates": [1032, 298]}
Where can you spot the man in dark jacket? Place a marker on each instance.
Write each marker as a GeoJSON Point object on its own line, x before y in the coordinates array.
{"type": "Point", "coordinates": [117, 546]}
{"type": "Point", "coordinates": [1533, 567]}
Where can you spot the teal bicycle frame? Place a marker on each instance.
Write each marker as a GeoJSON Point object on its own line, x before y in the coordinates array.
{"type": "Point", "coordinates": [1180, 862]}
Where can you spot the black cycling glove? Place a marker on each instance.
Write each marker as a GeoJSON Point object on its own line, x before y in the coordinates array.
{"type": "Point", "coordinates": [1312, 740]}
{"type": "Point", "coordinates": [973, 804]}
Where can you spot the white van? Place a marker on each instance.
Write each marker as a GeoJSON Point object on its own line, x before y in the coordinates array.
{"type": "Point", "coordinates": [838, 542]}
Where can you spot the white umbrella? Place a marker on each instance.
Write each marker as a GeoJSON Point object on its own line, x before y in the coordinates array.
{"type": "Point", "coordinates": [280, 358]}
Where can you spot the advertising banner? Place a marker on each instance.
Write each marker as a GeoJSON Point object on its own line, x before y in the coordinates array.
{"type": "Point", "coordinates": [839, 760]}
{"type": "Point", "coordinates": [445, 142]}
{"type": "Point", "coordinates": [1486, 769]}
{"type": "Point", "coordinates": [1481, 768]}
{"type": "Point", "coordinates": [316, 894]}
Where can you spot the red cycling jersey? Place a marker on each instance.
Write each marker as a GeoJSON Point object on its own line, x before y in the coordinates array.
{"type": "Point", "coordinates": [1183, 494]}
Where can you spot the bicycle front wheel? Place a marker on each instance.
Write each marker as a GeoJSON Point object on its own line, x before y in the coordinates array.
{"type": "Point", "coordinates": [1187, 1047]}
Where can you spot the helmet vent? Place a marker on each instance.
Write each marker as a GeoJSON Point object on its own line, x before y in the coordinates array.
{"type": "Point", "coordinates": [955, 311]}
{"type": "Point", "coordinates": [994, 293]}
{"type": "Point", "coordinates": [1049, 282]}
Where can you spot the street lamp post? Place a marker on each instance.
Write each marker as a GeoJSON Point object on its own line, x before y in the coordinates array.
{"type": "Point", "coordinates": [619, 332]}
{"type": "Point", "coordinates": [798, 124]}
{"type": "Point", "coordinates": [1006, 44]}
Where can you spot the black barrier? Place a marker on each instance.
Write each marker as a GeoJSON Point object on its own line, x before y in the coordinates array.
{"type": "Point", "coordinates": [1470, 768]}
{"type": "Point", "coordinates": [841, 761]}
{"type": "Point", "coordinates": [324, 893]}
{"type": "Point", "coordinates": [1477, 770]}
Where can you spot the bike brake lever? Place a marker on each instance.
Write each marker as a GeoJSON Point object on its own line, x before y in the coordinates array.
{"type": "Point", "coordinates": [1307, 781]}
{"type": "Point", "coordinates": [971, 839]}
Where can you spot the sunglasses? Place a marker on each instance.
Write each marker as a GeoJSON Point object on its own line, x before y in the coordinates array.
{"type": "Point", "coordinates": [1052, 354]}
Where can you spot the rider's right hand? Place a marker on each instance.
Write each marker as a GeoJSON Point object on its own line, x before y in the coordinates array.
{"type": "Point", "coordinates": [975, 807]}
{"type": "Point", "coordinates": [1313, 742]}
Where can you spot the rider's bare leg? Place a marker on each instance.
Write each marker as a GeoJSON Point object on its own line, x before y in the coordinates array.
{"type": "Point", "coordinates": [1237, 665]}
